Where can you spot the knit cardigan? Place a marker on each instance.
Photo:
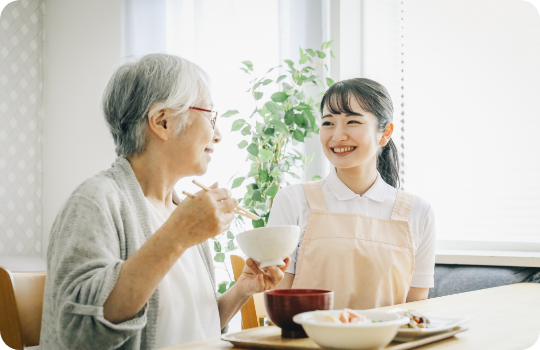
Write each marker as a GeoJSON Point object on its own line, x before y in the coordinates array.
{"type": "Point", "coordinates": [104, 221]}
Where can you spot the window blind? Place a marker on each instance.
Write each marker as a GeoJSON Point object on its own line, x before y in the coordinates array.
{"type": "Point", "coordinates": [472, 82]}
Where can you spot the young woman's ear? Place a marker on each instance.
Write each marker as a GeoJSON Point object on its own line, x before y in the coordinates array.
{"type": "Point", "coordinates": [158, 123]}
{"type": "Point", "coordinates": [387, 134]}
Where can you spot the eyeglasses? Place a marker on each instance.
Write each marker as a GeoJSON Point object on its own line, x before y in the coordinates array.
{"type": "Point", "coordinates": [212, 115]}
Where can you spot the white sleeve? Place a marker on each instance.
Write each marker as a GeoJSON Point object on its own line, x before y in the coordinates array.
{"type": "Point", "coordinates": [424, 260]}
{"type": "Point", "coordinates": [286, 212]}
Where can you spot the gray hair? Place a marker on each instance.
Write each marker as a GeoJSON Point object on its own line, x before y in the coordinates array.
{"type": "Point", "coordinates": [168, 81]}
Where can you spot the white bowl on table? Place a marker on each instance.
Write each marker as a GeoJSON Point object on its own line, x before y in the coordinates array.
{"type": "Point", "coordinates": [357, 336]}
{"type": "Point", "coordinates": [269, 245]}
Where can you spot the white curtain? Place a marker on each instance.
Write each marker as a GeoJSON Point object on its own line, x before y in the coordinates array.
{"type": "Point", "coordinates": [472, 81]}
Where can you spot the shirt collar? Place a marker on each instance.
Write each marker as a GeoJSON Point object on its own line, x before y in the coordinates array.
{"type": "Point", "coordinates": [376, 192]}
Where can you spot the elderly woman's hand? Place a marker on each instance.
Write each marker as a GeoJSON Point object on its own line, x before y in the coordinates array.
{"type": "Point", "coordinates": [254, 280]}
{"type": "Point", "coordinates": [197, 219]}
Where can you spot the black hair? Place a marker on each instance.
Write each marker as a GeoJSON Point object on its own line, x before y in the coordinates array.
{"type": "Point", "coordinates": [373, 98]}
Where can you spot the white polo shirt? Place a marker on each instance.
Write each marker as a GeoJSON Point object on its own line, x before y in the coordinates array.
{"type": "Point", "coordinates": [291, 207]}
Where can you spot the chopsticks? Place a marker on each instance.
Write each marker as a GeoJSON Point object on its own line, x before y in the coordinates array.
{"type": "Point", "coordinates": [239, 210]}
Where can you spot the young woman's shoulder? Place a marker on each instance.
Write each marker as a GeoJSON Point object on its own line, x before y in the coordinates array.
{"type": "Point", "coordinates": [288, 205]}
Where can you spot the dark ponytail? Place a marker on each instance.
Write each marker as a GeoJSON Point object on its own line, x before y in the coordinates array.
{"type": "Point", "coordinates": [373, 98]}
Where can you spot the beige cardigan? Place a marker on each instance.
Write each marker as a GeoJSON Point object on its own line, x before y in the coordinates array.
{"type": "Point", "coordinates": [103, 223]}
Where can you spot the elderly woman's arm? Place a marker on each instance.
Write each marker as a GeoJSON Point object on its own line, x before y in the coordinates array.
{"type": "Point", "coordinates": [253, 280]}
{"type": "Point", "coordinates": [193, 222]}
{"type": "Point", "coordinates": [99, 300]}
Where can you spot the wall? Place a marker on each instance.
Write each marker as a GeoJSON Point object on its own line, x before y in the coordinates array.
{"type": "Point", "coordinates": [20, 128]}
{"type": "Point", "coordinates": [82, 45]}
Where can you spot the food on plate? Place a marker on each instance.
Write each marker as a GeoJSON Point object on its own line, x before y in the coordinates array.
{"type": "Point", "coordinates": [417, 320]}
{"type": "Point", "coordinates": [347, 316]}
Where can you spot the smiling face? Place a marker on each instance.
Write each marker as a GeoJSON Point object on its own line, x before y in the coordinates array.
{"type": "Point", "coordinates": [195, 144]}
{"type": "Point", "coordinates": [350, 139]}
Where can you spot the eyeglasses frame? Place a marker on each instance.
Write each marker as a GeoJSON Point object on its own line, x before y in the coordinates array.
{"type": "Point", "coordinates": [213, 118]}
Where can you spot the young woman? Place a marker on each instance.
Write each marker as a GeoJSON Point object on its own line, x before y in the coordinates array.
{"type": "Point", "coordinates": [362, 237]}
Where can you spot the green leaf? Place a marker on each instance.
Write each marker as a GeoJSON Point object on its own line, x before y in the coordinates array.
{"type": "Point", "coordinates": [279, 97]}
{"type": "Point", "coordinates": [248, 64]}
{"type": "Point", "coordinates": [256, 196]}
{"type": "Point", "coordinates": [271, 192]}
{"type": "Point", "coordinates": [315, 178]}
{"type": "Point", "coordinates": [287, 86]}
{"type": "Point", "coordinates": [232, 284]}
{"type": "Point", "coordinates": [327, 44]}
{"type": "Point", "coordinates": [330, 82]}
{"type": "Point", "coordinates": [332, 54]}
{"type": "Point", "coordinates": [229, 113]}
{"type": "Point", "coordinates": [289, 63]}
{"type": "Point", "coordinates": [238, 181]}
{"type": "Point", "coordinates": [303, 59]}
{"type": "Point", "coordinates": [246, 131]}
{"type": "Point", "coordinates": [272, 107]}
{"type": "Point", "coordinates": [280, 126]}
{"type": "Point", "coordinates": [238, 124]}
{"type": "Point", "coordinates": [311, 52]}
{"type": "Point", "coordinates": [222, 287]}
{"type": "Point", "coordinates": [258, 223]}
{"type": "Point", "coordinates": [230, 235]}
{"type": "Point", "coordinates": [269, 131]}
{"type": "Point", "coordinates": [263, 176]}
{"type": "Point", "coordinates": [281, 77]}
{"type": "Point", "coordinates": [253, 149]}
{"type": "Point", "coordinates": [220, 257]}
{"type": "Point", "coordinates": [321, 54]}
{"type": "Point", "coordinates": [289, 117]}
{"type": "Point", "coordinates": [217, 246]}
{"type": "Point", "coordinates": [257, 96]}
{"type": "Point", "coordinates": [256, 86]}
{"type": "Point", "coordinates": [299, 120]}
{"type": "Point", "coordinates": [267, 81]}
{"type": "Point", "coordinates": [242, 144]}
{"type": "Point", "coordinates": [230, 245]}
{"type": "Point", "coordinates": [245, 70]}
{"type": "Point", "coordinates": [265, 155]}
{"type": "Point", "coordinates": [298, 135]}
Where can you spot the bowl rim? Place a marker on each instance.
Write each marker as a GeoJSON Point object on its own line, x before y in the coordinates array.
{"type": "Point", "coordinates": [267, 227]}
{"type": "Point", "coordinates": [402, 320]}
{"type": "Point", "coordinates": [273, 292]}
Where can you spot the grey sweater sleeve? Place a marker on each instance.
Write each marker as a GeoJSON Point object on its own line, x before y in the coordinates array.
{"type": "Point", "coordinates": [85, 257]}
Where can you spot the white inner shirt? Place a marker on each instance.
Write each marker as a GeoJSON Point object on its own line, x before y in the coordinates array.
{"type": "Point", "coordinates": [187, 304]}
{"type": "Point", "coordinates": [291, 207]}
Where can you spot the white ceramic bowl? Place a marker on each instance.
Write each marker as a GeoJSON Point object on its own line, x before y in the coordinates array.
{"type": "Point", "coordinates": [269, 245]}
{"type": "Point", "coordinates": [357, 336]}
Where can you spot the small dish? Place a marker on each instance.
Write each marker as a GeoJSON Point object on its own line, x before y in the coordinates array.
{"type": "Point", "coordinates": [269, 245]}
{"type": "Point", "coordinates": [436, 325]}
{"type": "Point", "coordinates": [357, 336]}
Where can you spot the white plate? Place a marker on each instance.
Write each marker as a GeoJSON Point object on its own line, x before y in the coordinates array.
{"type": "Point", "coordinates": [436, 325]}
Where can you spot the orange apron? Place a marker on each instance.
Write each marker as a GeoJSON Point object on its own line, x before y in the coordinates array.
{"type": "Point", "coordinates": [368, 262]}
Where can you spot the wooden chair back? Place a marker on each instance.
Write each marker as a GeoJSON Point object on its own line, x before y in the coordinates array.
{"type": "Point", "coordinates": [21, 306]}
{"type": "Point", "coordinates": [248, 311]}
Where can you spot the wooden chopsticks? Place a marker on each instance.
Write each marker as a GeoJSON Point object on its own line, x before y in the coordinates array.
{"type": "Point", "coordinates": [239, 209]}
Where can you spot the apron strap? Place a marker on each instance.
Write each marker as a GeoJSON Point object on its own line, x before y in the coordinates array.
{"type": "Point", "coordinates": [402, 206]}
{"type": "Point", "coordinates": [314, 195]}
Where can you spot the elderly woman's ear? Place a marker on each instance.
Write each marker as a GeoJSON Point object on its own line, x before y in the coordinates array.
{"type": "Point", "coordinates": [159, 123]}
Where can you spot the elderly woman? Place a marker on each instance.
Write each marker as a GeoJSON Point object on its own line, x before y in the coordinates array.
{"type": "Point", "coordinates": [129, 266]}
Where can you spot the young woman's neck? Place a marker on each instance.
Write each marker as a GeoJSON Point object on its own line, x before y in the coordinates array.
{"type": "Point", "coordinates": [358, 179]}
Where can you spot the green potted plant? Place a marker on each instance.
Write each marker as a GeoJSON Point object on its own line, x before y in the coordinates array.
{"type": "Point", "coordinates": [287, 118]}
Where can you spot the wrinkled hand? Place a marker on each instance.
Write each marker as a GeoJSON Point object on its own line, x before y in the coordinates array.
{"type": "Point", "coordinates": [254, 280]}
{"type": "Point", "coordinates": [208, 214]}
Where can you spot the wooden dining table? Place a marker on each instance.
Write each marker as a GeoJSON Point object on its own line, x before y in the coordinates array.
{"type": "Point", "coordinates": [505, 318]}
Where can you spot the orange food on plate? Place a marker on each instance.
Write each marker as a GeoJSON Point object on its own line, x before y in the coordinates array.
{"type": "Point", "coordinates": [349, 316]}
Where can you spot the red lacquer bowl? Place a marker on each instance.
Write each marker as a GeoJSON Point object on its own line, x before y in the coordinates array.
{"type": "Point", "coordinates": [283, 304]}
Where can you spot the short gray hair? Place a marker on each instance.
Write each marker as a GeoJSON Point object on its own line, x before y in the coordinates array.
{"type": "Point", "coordinates": [166, 80]}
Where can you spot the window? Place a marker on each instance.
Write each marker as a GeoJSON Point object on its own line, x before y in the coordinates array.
{"type": "Point", "coordinates": [472, 81]}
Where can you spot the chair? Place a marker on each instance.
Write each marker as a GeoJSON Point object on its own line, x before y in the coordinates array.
{"type": "Point", "coordinates": [21, 305]}
{"type": "Point", "coordinates": [252, 311]}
